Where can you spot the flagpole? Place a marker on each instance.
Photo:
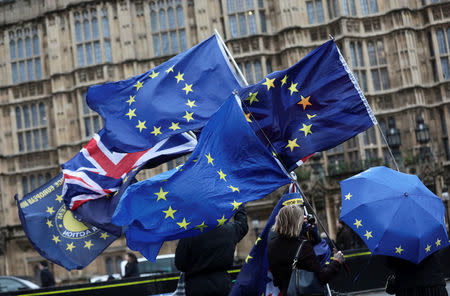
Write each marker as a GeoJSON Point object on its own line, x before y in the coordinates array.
{"type": "Point", "coordinates": [389, 148]}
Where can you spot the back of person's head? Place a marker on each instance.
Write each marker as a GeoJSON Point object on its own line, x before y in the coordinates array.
{"type": "Point", "coordinates": [132, 257]}
{"type": "Point", "coordinates": [289, 221]}
{"type": "Point", "coordinates": [44, 263]}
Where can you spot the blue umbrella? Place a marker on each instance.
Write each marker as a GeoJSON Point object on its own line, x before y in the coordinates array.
{"type": "Point", "coordinates": [394, 213]}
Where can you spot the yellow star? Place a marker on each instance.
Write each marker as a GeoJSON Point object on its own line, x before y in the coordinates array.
{"type": "Point", "coordinates": [104, 235]}
{"type": "Point", "coordinates": [222, 175]}
{"type": "Point", "coordinates": [304, 102]}
{"type": "Point", "coordinates": [59, 198]}
{"type": "Point", "coordinates": [248, 258]}
{"type": "Point", "coordinates": [306, 129]}
{"type": "Point", "coordinates": [438, 242]}
{"type": "Point", "coordinates": [257, 240]}
{"type": "Point", "coordinates": [49, 223]}
{"type": "Point", "coordinates": [247, 116]}
{"type": "Point", "coordinates": [347, 197]}
{"type": "Point", "coordinates": [183, 224]}
{"type": "Point", "coordinates": [399, 250]}
{"type": "Point", "coordinates": [131, 100]}
{"type": "Point", "coordinates": [169, 213]}
{"type": "Point", "coordinates": [311, 116]}
{"type": "Point", "coordinates": [138, 85]}
{"type": "Point", "coordinates": [50, 210]}
{"type": "Point", "coordinates": [428, 248]}
{"type": "Point", "coordinates": [210, 159]}
{"type": "Point", "coordinates": [130, 113]}
{"type": "Point", "coordinates": [357, 223]}
{"type": "Point", "coordinates": [70, 247]}
{"type": "Point", "coordinates": [191, 103]}
{"type": "Point", "coordinates": [174, 126]}
{"type": "Point", "coordinates": [153, 75]}
{"type": "Point", "coordinates": [368, 234]}
{"type": "Point", "coordinates": [188, 116]}
{"type": "Point", "coordinates": [235, 205]}
{"type": "Point", "coordinates": [292, 144]}
{"type": "Point", "coordinates": [269, 83]}
{"type": "Point", "coordinates": [88, 244]}
{"type": "Point", "coordinates": [221, 221]}
{"type": "Point", "coordinates": [283, 81]}
{"type": "Point", "coordinates": [161, 194]}
{"type": "Point", "coordinates": [201, 226]}
{"type": "Point", "coordinates": [252, 97]}
{"type": "Point", "coordinates": [56, 239]}
{"type": "Point", "coordinates": [141, 125]}
{"type": "Point", "coordinates": [170, 69]}
{"type": "Point", "coordinates": [234, 188]}
{"type": "Point", "coordinates": [179, 77]}
{"type": "Point", "coordinates": [187, 88]}
{"type": "Point", "coordinates": [293, 88]}
{"type": "Point", "coordinates": [156, 131]}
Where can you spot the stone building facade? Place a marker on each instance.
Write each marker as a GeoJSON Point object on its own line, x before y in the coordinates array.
{"type": "Point", "coordinates": [52, 50]}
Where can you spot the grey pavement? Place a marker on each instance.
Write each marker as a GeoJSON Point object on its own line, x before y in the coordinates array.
{"type": "Point", "coordinates": [382, 293]}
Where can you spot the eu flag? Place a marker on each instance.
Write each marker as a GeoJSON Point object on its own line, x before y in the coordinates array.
{"type": "Point", "coordinates": [228, 167]}
{"type": "Point", "coordinates": [176, 96]}
{"type": "Point", "coordinates": [53, 231]}
{"type": "Point", "coordinates": [312, 106]}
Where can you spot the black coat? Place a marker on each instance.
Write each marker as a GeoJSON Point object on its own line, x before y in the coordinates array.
{"type": "Point", "coordinates": [47, 279]}
{"type": "Point", "coordinates": [425, 278]}
{"type": "Point", "coordinates": [206, 258]}
{"type": "Point", "coordinates": [131, 270]}
{"type": "Point", "coordinates": [281, 252]}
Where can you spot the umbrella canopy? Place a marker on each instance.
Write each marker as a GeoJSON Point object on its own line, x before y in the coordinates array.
{"type": "Point", "coordinates": [394, 213]}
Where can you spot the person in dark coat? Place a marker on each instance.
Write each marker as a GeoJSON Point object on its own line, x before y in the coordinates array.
{"type": "Point", "coordinates": [283, 247]}
{"type": "Point", "coordinates": [344, 236]}
{"type": "Point", "coordinates": [206, 258]}
{"type": "Point", "coordinates": [423, 279]}
{"type": "Point", "coordinates": [47, 279]}
{"type": "Point", "coordinates": [131, 269]}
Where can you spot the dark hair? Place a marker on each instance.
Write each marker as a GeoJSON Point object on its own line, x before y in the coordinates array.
{"type": "Point", "coordinates": [132, 257]}
{"type": "Point", "coordinates": [44, 263]}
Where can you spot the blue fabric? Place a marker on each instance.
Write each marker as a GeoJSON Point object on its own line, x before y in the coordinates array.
{"type": "Point", "coordinates": [53, 231]}
{"type": "Point", "coordinates": [324, 100]}
{"type": "Point", "coordinates": [394, 214]}
{"type": "Point", "coordinates": [197, 192]}
{"type": "Point", "coordinates": [161, 102]}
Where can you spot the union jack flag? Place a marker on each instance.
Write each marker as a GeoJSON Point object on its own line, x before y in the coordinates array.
{"type": "Point", "coordinates": [96, 171]}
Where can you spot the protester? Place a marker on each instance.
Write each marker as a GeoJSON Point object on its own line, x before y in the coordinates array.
{"type": "Point", "coordinates": [409, 279]}
{"type": "Point", "coordinates": [47, 279]}
{"type": "Point", "coordinates": [344, 236]}
{"type": "Point", "coordinates": [283, 247]}
{"type": "Point", "coordinates": [131, 269]}
{"type": "Point", "coordinates": [206, 258]}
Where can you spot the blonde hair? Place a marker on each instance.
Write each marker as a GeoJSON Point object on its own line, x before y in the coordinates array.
{"type": "Point", "coordinates": [289, 221]}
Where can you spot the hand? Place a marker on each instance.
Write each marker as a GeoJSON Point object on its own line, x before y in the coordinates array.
{"type": "Point", "coordinates": [338, 256]}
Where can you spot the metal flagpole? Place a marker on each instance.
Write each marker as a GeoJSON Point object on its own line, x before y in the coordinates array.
{"type": "Point", "coordinates": [389, 148]}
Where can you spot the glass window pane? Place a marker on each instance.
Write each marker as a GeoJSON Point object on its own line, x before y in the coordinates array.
{"type": "Point", "coordinates": [269, 66]}
{"type": "Point", "coordinates": [249, 4]}
{"type": "Point", "coordinates": [89, 53]}
{"type": "Point", "coordinates": [40, 180]}
{"type": "Point", "coordinates": [48, 177]}
{"type": "Point", "coordinates": [345, 7]}
{"type": "Point", "coordinates": [373, 6]}
{"type": "Point", "coordinates": [311, 14]}
{"type": "Point", "coordinates": [20, 140]}
{"type": "Point", "coordinates": [87, 30]}
{"type": "Point", "coordinates": [353, 7]}
{"type": "Point", "coordinates": [384, 78]}
{"type": "Point", "coordinates": [87, 126]}
{"type": "Point", "coordinates": [42, 114]}
{"type": "Point", "coordinates": [34, 115]}
{"type": "Point", "coordinates": [360, 54]}
{"type": "Point", "coordinates": [109, 266]}
{"type": "Point", "coordinates": [37, 66]}
{"type": "Point", "coordinates": [108, 55]}
{"type": "Point", "coordinates": [156, 46]}
{"type": "Point", "coordinates": [372, 57]}
{"type": "Point", "coordinates": [239, 5]}
{"type": "Point", "coordinates": [252, 23]}
{"type": "Point", "coordinates": [171, 16]}
{"type": "Point", "coordinates": [353, 54]}
{"type": "Point", "coordinates": [37, 140]}
{"type": "Point", "coordinates": [319, 8]}
{"type": "Point", "coordinates": [445, 69]}
{"type": "Point", "coordinates": [249, 72]}
{"type": "Point", "coordinates": [183, 44]}
{"type": "Point", "coordinates": [28, 46]}
{"type": "Point", "coordinates": [364, 7]}
{"type": "Point", "coordinates": [15, 74]}
{"type": "Point", "coordinates": [32, 182]}
{"type": "Point", "coordinates": [381, 53]}
{"type": "Point", "coordinates": [262, 20]}
{"type": "Point", "coordinates": [23, 71]}
{"type": "Point", "coordinates": [20, 48]}
{"type": "Point", "coordinates": [26, 116]}
{"type": "Point", "coordinates": [96, 120]}
{"type": "Point", "coordinates": [162, 19]}
{"type": "Point", "coordinates": [336, 8]}
{"type": "Point", "coordinates": [80, 51]}
{"type": "Point", "coordinates": [448, 38]}
{"type": "Point", "coordinates": [258, 70]}
{"type": "Point", "coordinates": [28, 141]}
{"type": "Point", "coordinates": [233, 26]}
{"type": "Point", "coordinates": [30, 69]}
{"type": "Point", "coordinates": [98, 53]}
{"type": "Point", "coordinates": [363, 81]}
{"type": "Point", "coordinates": [25, 185]}
{"type": "Point", "coordinates": [18, 118]}
{"type": "Point", "coordinates": [174, 41]}
{"type": "Point", "coordinates": [86, 109]}
{"type": "Point", "coordinates": [105, 27]}
{"type": "Point", "coordinates": [441, 41]}
{"type": "Point", "coordinates": [78, 35]}
{"type": "Point", "coordinates": [12, 50]}
{"type": "Point", "coordinates": [165, 43]}
{"type": "Point", "coordinates": [154, 21]}
{"type": "Point", "coordinates": [261, 3]}
{"type": "Point", "coordinates": [44, 138]}
{"type": "Point", "coordinates": [230, 5]}
{"type": "Point", "coordinates": [95, 34]}
{"type": "Point", "coordinates": [242, 24]}
{"type": "Point", "coordinates": [376, 80]}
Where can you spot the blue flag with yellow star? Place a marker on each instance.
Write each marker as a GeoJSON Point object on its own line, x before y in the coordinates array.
{"type": "Point", "coordinates": [54, 232]}
{"type": "Point", "coordinates": [312, 106]}
{"type": "Point", "coordinates": [176, 96]}
{"type": "Point", "coordinates": [228, 167]}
